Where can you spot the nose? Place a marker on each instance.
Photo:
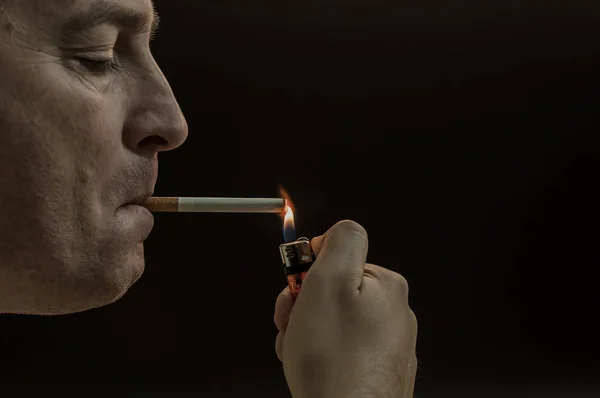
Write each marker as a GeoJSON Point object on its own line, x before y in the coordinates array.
{"type": "Point", "coordinates": [154, 122]}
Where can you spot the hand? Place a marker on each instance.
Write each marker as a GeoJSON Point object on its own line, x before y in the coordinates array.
{"type": "Point", "coordinates": [351, 332]}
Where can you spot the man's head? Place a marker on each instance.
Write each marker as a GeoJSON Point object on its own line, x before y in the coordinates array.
{"type": "Point", "coordinates": [84, 110]}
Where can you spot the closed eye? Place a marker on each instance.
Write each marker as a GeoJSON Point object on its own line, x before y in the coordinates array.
{"type": "Point", "coordinates": [98, 67]}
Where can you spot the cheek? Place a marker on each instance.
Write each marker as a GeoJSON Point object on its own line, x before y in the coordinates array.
{"type": "Point", "coordinates": [61, 137]}
{"type": "Point", "coordinates": [90, 124]}
{"type": "Point", "coordinates": [60, 112]}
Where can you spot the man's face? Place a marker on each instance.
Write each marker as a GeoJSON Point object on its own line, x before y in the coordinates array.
{"type": "Point", "coordinates": [84, 110]}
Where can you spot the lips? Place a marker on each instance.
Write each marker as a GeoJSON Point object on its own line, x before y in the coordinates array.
{"type": "Point", "coordinates": [137, 221]}
{"type": "Point", "coordinates": [139, 200]}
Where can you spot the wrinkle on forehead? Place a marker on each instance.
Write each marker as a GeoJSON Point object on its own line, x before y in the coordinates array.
{"type": "Point", "coordinates": [64, 8]}
{"type": "Point", "coordinates": [47, 17]}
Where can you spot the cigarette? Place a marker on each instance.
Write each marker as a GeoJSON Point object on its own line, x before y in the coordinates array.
{"type": "Point", "coordinates": [217, 205]}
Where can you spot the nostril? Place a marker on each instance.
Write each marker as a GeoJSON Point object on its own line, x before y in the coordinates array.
{"type": "Point", "coordinates": [154, 141]}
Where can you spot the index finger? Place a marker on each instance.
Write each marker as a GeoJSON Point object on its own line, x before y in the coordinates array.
{"type": "Point", "coordinates": [283, 309]}
{"type": "Point", "coordinates": [316, 244]}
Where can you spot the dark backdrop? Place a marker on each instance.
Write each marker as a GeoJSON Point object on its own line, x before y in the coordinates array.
{"type": "Point", "coordinates": [460, 134]}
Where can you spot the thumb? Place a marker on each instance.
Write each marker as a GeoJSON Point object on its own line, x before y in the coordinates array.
{"type": "Point", "coordinates": [342, 253]}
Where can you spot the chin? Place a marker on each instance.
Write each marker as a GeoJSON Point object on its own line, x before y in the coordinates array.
{"type": "Point", "coordinates": [132, 271]}
{"type": "Point", "coordinates": [58, 282]}
{"type": "Point", "coordinates": [118, 276]}
{"type": "Point", "coordinates": [90, 286]}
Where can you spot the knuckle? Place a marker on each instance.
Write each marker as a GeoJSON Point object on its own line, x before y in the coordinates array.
{"type": "Point", "coordinates": [349, 228]}
{"type": "Point", "coordinates": [284, 294]}
{"type": "Point", "coordinates": [414, 322]}
{"type": "Point", "coordinates": [400, 283]}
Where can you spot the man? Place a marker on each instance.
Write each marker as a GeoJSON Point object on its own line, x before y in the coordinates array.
{"type": "Point", "coordinates": [84, 111]}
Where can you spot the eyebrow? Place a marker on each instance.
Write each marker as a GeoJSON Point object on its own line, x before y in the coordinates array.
{"type": "Point", "coordinates": [102, 12]}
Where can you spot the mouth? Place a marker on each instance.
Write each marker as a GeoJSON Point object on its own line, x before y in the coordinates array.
{"type": "Point", "coordinates": [140, 200]}
{"type": "Point", "coordinates": [135, 218]}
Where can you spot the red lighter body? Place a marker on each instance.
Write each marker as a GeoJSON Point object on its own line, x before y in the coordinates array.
{"type": "Point", "coordinates": [297, 258]}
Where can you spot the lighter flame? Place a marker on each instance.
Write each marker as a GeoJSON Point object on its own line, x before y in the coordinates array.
{"type": "Point", "coordinates": [288, 220]}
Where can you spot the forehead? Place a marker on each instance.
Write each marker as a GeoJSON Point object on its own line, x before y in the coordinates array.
{"type": "Point", "coordinates": [60, 10]}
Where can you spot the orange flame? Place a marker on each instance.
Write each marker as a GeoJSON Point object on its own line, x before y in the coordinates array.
{"type": "Point", "coordinates": [288, 219]}
{"type": "Point", "coordinates": [288, 202]}
{"type": "Point", "coordinates": [289, 226]}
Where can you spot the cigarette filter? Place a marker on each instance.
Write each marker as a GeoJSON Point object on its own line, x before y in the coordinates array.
{"type": "Point", "coordinates": [297, 258]}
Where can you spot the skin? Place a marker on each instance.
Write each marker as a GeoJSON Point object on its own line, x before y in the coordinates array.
{"type": "Point", "coordinates": [79, 140]}
{"type": "Point", "coordinates": [351, 332]}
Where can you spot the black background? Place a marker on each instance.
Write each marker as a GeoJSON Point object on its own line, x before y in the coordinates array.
{"type": "Point", "coordinates": [460, 134]}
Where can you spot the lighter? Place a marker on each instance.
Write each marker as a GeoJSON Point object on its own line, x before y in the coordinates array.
{"type": "Point", "coordinates": [297, 258]}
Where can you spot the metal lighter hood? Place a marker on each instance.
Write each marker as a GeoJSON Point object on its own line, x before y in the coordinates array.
{"type": "Point", "coordinates": [296, 253]}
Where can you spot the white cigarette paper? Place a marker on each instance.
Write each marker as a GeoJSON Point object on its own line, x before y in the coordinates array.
{"type": "Point", "coordinates": [217, 205]}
